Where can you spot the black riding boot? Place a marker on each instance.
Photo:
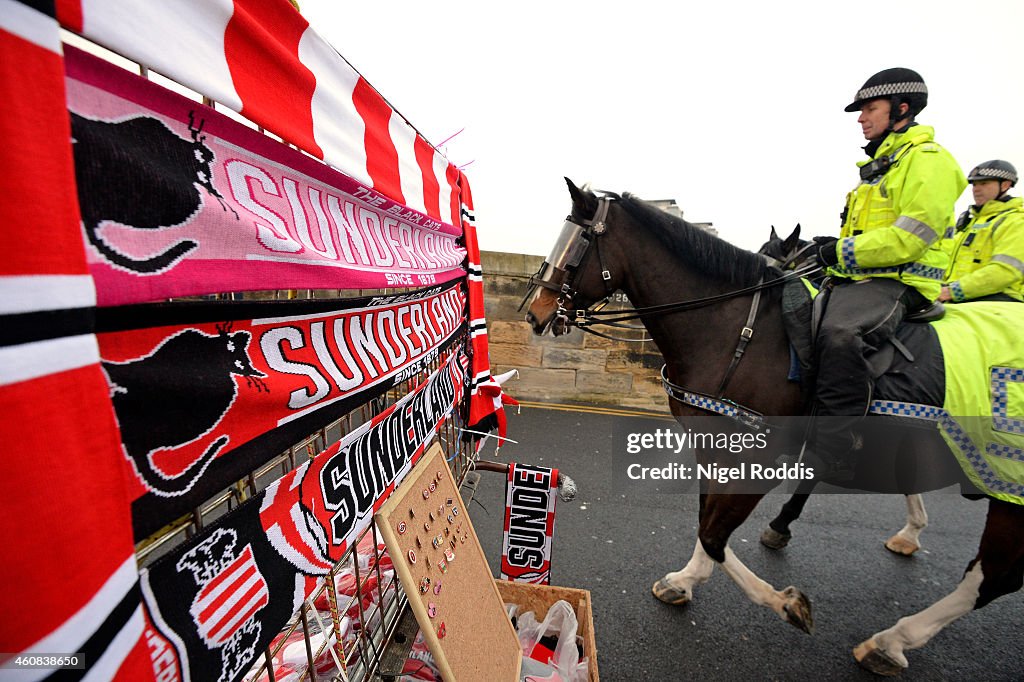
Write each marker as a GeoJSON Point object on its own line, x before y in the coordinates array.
{"type": "Point", "coordinates": [833, 451]}
{"type": "Point", "coordinates": [859, 317]}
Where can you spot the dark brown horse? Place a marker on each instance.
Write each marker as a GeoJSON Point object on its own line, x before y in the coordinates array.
{"type": "Point", "coordinates": [614, 243]}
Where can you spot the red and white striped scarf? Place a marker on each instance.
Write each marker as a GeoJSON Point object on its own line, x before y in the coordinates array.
{"type": "Point", "coordinates": [69, 578]}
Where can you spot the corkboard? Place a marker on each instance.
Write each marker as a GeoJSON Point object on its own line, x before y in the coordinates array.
{"type": "Point", "coordinates": [479, 642]}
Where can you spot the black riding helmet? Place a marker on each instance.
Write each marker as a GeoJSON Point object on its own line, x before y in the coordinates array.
{"type": "Point", "coordinates": [899, 86]}
{"type": "Point", "coordinates": [996, 169]}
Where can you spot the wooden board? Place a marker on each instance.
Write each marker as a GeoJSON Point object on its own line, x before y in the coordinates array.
{"type": "Point", "coordinates": [478, 641]}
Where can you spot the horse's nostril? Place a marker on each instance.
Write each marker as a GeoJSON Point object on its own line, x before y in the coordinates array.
{"type": "Point", "coordinates": [531, 319]}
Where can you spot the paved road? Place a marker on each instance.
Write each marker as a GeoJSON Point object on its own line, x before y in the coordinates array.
{"type": "Point", "coordinates": [616, 545]}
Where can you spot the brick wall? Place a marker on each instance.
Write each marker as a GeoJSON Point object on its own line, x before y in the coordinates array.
{"type": "Point", "coordinates": [577, 367]}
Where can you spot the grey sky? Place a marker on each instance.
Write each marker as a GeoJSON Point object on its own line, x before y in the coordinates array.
{"type": "Point", "coordinates": [735, 110]}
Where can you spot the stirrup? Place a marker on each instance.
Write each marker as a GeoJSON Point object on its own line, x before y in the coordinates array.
{"type": "Point", "coordinates": [930, 313]}
{"type": "Point", "coordinates": [831, 471]}
{"type": "Point", "coordinates": [839, 469]}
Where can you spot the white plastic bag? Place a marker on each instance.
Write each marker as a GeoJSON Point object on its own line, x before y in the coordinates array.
{"type": "Point", "coordinates": [559, 622]}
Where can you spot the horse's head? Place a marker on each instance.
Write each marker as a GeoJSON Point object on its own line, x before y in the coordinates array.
{"type": "Point", "coordinates": [575, 275]}
{"type": "Point", "coordinates": [788, 253]}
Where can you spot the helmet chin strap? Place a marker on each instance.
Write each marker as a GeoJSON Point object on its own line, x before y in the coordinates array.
{"type": "Point", "coordinates": [894, 116]}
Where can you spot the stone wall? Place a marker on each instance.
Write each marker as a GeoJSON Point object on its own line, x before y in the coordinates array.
{"type": "Point", "coordinates": [577, 367]}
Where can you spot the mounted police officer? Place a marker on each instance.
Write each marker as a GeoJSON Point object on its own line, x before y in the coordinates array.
{"type": "Point", "coordinates": [888, 260]}
{"type": "Point", "coordinates": [987, 246]}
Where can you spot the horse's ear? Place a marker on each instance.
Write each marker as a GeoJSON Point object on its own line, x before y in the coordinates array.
{"type": "Point", "coordinates": [792, 241]}
{"type": "Point", "coordinates": [773, 235]}
{"type": "Point", "coordinates": [581, 199]}
{"type": "Point", "coordinates": [575, 192]}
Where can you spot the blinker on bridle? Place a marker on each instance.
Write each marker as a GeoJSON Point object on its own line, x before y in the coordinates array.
{"type": "Point", "coordinates": [570, 248]}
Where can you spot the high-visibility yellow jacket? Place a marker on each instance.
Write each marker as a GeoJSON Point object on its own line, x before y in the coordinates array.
{"type": "Point", "coordinates": [988, 252]}
{"type": "Point", "coordinates": [894, 222]}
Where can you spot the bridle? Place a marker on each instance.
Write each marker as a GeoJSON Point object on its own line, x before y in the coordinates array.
{"type": "Point", "coordinates": [567, 256]}
{"type": "Point", "coordinates": [792, 261]}
{"type": "Point", "coordinates": [570, 250]}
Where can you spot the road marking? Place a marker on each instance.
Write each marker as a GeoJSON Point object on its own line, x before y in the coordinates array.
{"type": "Point", "coordinates": [587, 409]}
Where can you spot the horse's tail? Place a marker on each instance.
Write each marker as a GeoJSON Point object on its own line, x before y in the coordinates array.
{"type": "Point", "coordinates": [157, 263]}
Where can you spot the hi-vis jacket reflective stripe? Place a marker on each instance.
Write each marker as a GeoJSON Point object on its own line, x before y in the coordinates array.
{"type": "Point", "coordinates": [988, 253]}
{"type": "Point", "coordinates": [894, 223]}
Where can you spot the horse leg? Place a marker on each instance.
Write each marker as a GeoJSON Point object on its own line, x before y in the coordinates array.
{"type": "Point", "coordinates": [777, 534]}
{"type": "Point", "coordinates": [997, 570]}
{"type": "Point", "coordinates": [677, 587]}
{"type": "Point", "coordinates": [907, 540]}
{"type": "Point", "coordinates": [790, 604]}
{"type": "Point", "coordinates": [720, 515]}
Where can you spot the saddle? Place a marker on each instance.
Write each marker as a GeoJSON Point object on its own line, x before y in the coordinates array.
{"type": "Point", "coordinates": [910, 387]}
{"type": "Point", "coordinates": [907, 368]}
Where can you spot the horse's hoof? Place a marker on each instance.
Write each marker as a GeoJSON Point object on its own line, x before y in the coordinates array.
{"type": "Point", "coordinates": [773, 539]}
{"type": "Point", "coordinates": [798, 610]}
{"type": "Point", "coordinates": [871, 658]}
{"type": "Point", "coordinates": [665, 592]}
{"type": "Point", "coordinates": [901, 546]}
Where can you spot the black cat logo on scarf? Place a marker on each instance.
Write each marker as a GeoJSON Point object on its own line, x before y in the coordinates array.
{"type": "Point", "coordinates": [139, 173]}
{"type": "Point", "coordinates": [176, 395]}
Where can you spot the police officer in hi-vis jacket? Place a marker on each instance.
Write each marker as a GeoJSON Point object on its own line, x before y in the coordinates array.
{"type": "Point", "coordinates": [888, 259]}
{"type": "Point", "coordinates": [987, 247]}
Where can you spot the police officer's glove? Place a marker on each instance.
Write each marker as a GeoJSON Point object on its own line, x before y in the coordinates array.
{"type": "Point", "coordinates": [826, 254]}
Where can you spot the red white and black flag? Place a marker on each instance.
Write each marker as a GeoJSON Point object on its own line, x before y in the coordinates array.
{"type": "Point", "coordinates": [530, 494]}
{"type": "Point", "coordinates": [63, 393]}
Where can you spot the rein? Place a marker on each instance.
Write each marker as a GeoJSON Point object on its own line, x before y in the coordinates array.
{"type": "Point", "coordinates": [584, 318]}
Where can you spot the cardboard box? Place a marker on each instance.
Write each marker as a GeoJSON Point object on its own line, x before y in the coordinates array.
{"type": "Point", "coordinates": [539, 598]}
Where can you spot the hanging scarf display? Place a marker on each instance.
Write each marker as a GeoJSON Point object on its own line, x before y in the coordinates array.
{"type": "Point", "coordinates": [206, 392]}
{"type": "Point", "coordinates": [216, 602]}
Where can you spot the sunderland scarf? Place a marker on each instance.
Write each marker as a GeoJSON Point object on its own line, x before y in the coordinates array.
{"type": "Point", "coordinates": [69, 579]}
{"type": "Point", "coordinates": [262, 59]}
{"type": "Point", "coordinates": [205, 392]}
{"type": "Point", "coordinates": [486, 403]}
{"type": "Point", "coordinates": [530, 494]}
{"type": "Point", "coordinates": [179, 200]}
{"type": "Point", "coordinates": [216, 602]}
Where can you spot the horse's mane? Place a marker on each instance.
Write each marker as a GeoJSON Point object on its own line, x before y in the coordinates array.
{"type": "Point", "coordinates": [698, 248]}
